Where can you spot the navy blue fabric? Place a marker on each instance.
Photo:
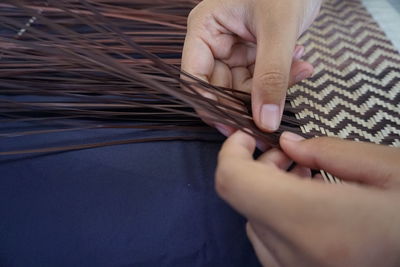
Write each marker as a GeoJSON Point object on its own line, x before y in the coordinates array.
{"type": "Point", "coordinates": [147, 204]}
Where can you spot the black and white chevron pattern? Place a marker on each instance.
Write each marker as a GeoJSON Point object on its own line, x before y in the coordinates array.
{"type": "Point", "coordinates": [355, 92]}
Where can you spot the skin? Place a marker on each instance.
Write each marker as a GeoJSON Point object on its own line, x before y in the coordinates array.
{"type": "Point", "coordinates": [294, 220]}
{"type": "Point", "coordinates": [250, 45]}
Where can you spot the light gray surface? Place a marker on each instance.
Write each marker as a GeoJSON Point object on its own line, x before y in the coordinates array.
{"type": "Point", "coordinates": [396, 4]}
{"type": "Point", "coordinates": [387, 16]}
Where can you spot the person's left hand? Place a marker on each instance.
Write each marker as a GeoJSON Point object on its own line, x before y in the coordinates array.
{"type": "Point", "coordinates": [297, 221]}
{"type": "Point", "coordinates": [250, 46]}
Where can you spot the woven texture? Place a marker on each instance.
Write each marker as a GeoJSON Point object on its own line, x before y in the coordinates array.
{"type": "Point", "coordinates": [355, 92]}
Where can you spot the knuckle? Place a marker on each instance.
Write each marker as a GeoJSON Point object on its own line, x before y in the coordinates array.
{"type": "Point", "coordinates": [195, 12]}
{"type": "Point", "coordinates": [323, 144]}
{"type": "Point", "coordinates": [192, 15]}
{"type": "Point", "coordinates": [320, 146]}
{"type": "Point", "coordinates": [273, 81]}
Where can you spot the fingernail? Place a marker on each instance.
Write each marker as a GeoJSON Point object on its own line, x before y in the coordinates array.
{"type": "Point", "coordinates": [292, 137]}
{"type": "Point", "coordinates": [298, 53]}
{"type": "Point", "coordinates": [302, 75]}
{"type": "Point", "coordinates": [223, 129]}
{"type": "Point", "coordinates": [270, 117]}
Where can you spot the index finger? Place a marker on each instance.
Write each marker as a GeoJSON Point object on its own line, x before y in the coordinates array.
{"type": "Point", "coordinates": [263, 192]}
{"type": "Point", "coordinates": [197, 57]}
{"type": "Point", "coordinates": [349, 160]}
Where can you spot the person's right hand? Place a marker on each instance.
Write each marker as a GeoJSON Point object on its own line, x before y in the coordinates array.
{"type": "Point", "coordinates": [295, 221]}
{"type": "Point", "coordinates": [250, 45]}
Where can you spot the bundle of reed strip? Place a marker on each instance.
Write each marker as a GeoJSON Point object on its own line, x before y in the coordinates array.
{"type": "Point", "coordinates": [78, 65]}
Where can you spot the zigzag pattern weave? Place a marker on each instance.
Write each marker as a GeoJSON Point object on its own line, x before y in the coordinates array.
{"type": "Point", "coordinates": [355, 91]}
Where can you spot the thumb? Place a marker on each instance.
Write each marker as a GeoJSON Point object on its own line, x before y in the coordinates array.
{"type": "Point", "coordinates": [349, 160]}
{"type": "Point", "coordinates": [275, 44]}
{"type": "Point", "coordinates": [261, 191]}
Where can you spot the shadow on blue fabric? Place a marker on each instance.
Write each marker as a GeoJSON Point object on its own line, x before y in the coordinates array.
{"type": "Point", "coordinates": [147, 204]}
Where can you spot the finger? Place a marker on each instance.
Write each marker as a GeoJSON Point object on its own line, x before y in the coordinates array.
{"type": "Point", "coordinates": [239, 146]}
{"type": "Point", "coordinates": [251, 69]}
{"type": "Point", "coordinates": [222, 77]}
{"type": "Point", "coordinates": [276, 157]}
{"type": "Point", "coordinates": [299, 71]}
{"type": "Point", "coordinates": [297, 55]}
{"type": "Point", "coordinates": [262, 145]}
{"type": "Point", "coordinates": [298, 52]}
{"type": "Point", "coordinates": [261, 191]}
{"type": "Point", "coordinates": [242, 54]}
{"type": "Point", "coordinates": [224, 129]}
{"type": "Point", "coordinates": [264, 193]}
{"type": "Point", "coordinates": [353, 161]}
{"type": "Point", "coordinates": [197, 59]}
{"type": "Point", "coordinates": [263, 254]}
{"type": "Point", "coordinates": [275, 47]}
{"type": "Point", "coordinates": [301, 171]}
{"type": "Point", "coordinates": [241, 79]}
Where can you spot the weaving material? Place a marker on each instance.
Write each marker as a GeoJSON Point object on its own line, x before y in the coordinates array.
{"type": "Point", "coordinates": [355, 91]}
{"type": "Point", "coordinates": [86, 65]}
{"type": "Point", "coordinates": [139, 204]}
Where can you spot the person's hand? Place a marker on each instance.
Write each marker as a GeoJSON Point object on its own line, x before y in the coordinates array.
{"type": "Point", "coordinates": [298, 221]}
{"type": "Point", "coordinates": [249, 45]}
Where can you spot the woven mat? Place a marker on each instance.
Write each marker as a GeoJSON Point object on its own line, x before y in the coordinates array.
{"type": "Point", "coordinates": [355, 92]}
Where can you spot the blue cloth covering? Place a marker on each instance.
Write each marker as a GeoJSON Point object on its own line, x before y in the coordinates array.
{"type": "Point", "coordinates": [147, 204]}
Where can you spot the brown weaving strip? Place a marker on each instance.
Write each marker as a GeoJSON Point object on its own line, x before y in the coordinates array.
{"type": "Point", "coordinates": [354, 93]}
